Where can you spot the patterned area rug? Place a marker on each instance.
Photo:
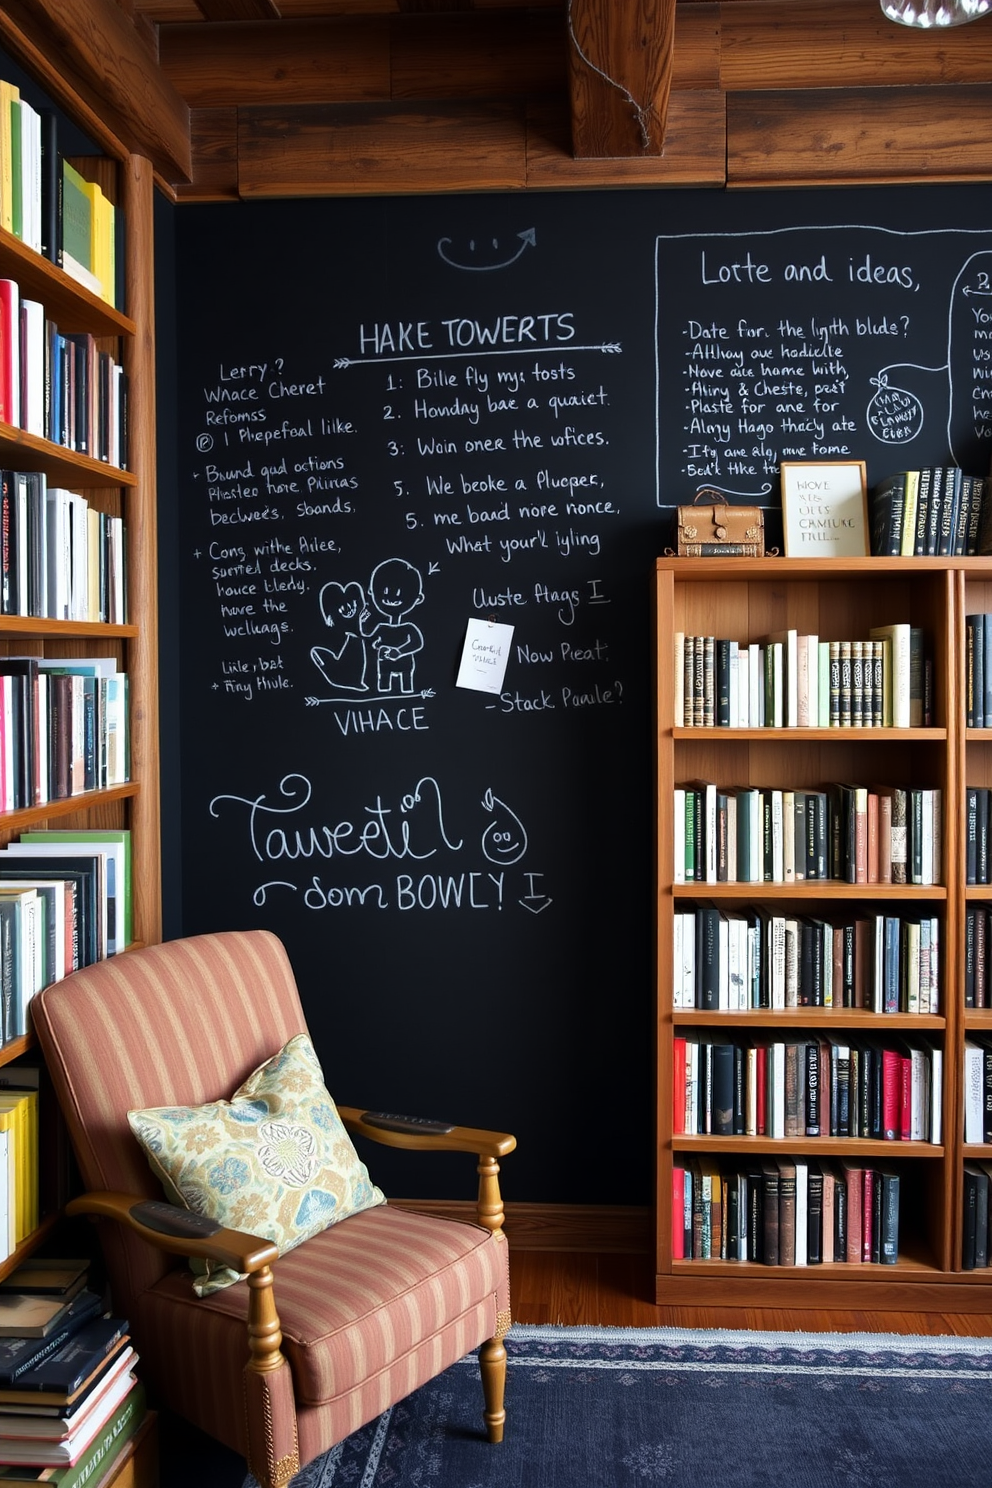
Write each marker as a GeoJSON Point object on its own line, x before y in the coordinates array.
{"type": "Point", "coordinates": [628, 1408]}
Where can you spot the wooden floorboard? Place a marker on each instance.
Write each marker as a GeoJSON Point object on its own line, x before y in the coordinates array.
{"type": "Point", "coordinates": [573, 1288]}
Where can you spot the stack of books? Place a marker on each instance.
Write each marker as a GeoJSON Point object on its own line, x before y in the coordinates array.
{"type": "Point", "coordinates": [69, 1400]}
{"type": "Point", "coordinates": [936, 511]}
{"type": "Point", "coordinates": [789, 1211]}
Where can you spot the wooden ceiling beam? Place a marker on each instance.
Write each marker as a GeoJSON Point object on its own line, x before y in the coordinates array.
{"type": "Point", "coordinates": [239, 10]}
{"type": "Point", "coordinates": [620, 75]}
{"type": "Point", "coordinates": [91, 50]}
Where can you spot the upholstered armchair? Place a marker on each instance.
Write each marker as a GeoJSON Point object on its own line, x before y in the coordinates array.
{"type": "Point", "coordinates": [314, 1340]}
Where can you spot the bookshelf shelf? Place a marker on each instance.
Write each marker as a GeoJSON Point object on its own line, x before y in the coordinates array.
{"type": "Point", "coordinates": [71, 305]}
{"type": "Point", "coordinates": [832, 599]}
{"type": "Point", "coordinates": [23, 451]}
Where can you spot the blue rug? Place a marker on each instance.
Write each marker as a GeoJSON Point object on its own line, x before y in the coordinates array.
{"type": "Point", "coordinates": [632, 1407]}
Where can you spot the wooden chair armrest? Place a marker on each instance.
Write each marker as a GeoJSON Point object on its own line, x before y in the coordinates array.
{"type": "Point", "coordinates": [459, 1139]}
{"type": "Point", "coordinates": [243, 1253]}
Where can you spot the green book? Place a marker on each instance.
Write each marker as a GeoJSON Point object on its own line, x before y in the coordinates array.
{"type": "Point", "coordinates": [77, 224]}
{"type": "Point", "coordinates": [16, 170]}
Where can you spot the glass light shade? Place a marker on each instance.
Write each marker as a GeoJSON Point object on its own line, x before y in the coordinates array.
{"type": "Point", "coordinates": [933, 14]}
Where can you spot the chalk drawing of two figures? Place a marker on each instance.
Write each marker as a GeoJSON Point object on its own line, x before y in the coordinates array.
{"type": "Point", "coordinates": [385, 631]}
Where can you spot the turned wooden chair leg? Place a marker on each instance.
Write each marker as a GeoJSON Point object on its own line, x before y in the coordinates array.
{"type": "Point", "coordinates": [492, 1365]}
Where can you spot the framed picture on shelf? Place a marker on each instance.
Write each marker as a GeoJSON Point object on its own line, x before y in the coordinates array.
{"type": "Point", "coordinates": [825, 509]}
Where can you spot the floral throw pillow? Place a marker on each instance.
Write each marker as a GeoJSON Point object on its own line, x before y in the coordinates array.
{"type": "Point", "coordinates": [275, 1160]}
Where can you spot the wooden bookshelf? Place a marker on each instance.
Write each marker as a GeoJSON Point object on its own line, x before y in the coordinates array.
{"type": "Point", "coordinates": [833, 599]}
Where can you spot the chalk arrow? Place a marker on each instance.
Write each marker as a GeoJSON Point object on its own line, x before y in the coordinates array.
{"type": "Point", "coordinates": [528, 239]}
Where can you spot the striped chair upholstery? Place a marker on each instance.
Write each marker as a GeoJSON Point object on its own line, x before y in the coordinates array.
{"type": "Point", "coordinates": [369, 1309]}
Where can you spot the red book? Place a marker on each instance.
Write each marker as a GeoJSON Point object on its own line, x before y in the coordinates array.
{"type": "Point", "coordinates": [761, 1068]}
{"type": "Point", "coordinates": [10, 352]}
{"type": "Point", "coordinates": [891, 1094]}
{"type": "Point", "coordinates": [678, 1213]}
{"type": "Point", "coordinates": [873, 865]}
{"type": "Point", "coordinates": [678, 1086]}
{"type": "Point", "coordinates": [905, 1097]}
{"type": "Point", "coordinates": [867, 1212]}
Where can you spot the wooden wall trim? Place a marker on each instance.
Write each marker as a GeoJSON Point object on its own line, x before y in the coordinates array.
{"type": "Point", "coordinates": [840, 136]}
{"type": "Point", "coordinates": [621, 1229]}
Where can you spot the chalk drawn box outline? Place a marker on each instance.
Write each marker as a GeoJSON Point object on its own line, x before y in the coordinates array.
{"type": "Point", "coordinates": [845, 493]}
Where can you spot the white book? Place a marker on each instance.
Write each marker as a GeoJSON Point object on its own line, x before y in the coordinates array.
{"type": "Point", "coordinates": [755, 685]}
{"type": "Point", "coordinates": [895, 675]}
{"type": "Point", "coordinates": [735, 962]}
{"type": "Point", "coordinates": [723, 939]}
{"type": "Point", "coordinates": [813, 680]}
{"type": "Point", "coordinates": [776, 960]}
{"type": "Point", "coordinates": [936, 1094]}
{"type": "Point", "coordinates": [691, 1087]}
{"type": "Point", "coordinates": [744, 688]}
{"type": "Point", "coordinates": [678, 836]}
{"type": "Point", "coordinates": [59, 552]}
{"type": "Point", "coordinates": [919, 1095]}
{"type": "Point", "coordinates": [788, 641]}
{"type": "Point", "coordinates": [7, 1180]}
{"type": "Point", "coordinates": [926, 814]}
{"type": "Point", "coordinates": [802, 682]}
{"type": "Point", "coordinates": [776, 1090]}
{"type": "Point", "coordinates": [789, 836]}
{"type": "Point", "coordinates": [33, 367]}
{"type": "Point", "coordinates": [802, 1211]}
{"type": "Point", "coordinates": [733, 690]}
{"type": "Point", "coordinates": [778, 828]}
{"type": "Point", "coordinates": [677, 927]}
{"type": "Point", "coordinates": [974, 1092]}
{"type": "Point", "coordinates": [686, 988]}
{"type": "Point", "coordinates": [791, 962]}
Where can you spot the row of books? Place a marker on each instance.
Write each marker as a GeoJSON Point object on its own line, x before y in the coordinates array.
{"type": "Point", "coordinates": [768, 957]}
{"type": "Point", "coordinates": [977, 943]}
{"type": "Point", "coordinates": [59, 386]}
{"type": "Point", "coordinates": [793, 680]}
{"type": "Point", "coordinates": [790, 1211]}
{"type": "Point", "coordinates": [60, 557]}
{"type": "Point", "coordinates": [63, 728]}
{"type": "Point", "coordinates": [977, 815]}
{"type": "Point", "coordinates": [853, 833]}
{"type": "Point", "coordinates": [69, 1399]}
{"type": "Point", "coordinates": [936, 510]}
{"type": "Point", "coordinates": [806, 1086]}
{"type": "Point", "coordinates": [978, 670]}
{"type": "Point", "coordinates": [47, 202]}
{"type": "Point", "coordinates": [975, 1233]}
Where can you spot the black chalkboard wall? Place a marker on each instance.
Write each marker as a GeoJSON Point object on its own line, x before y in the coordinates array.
{"type": "Point", "coordinates": [397, 416]}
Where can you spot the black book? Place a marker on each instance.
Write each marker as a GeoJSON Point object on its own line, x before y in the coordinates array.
{"type": "Point", "coordinates": [732, 1185]}
{"type": "Point", "coordinates": [19, 1355]}
{"type": "Point", "coordinates": [971, 834]}
{"type": "Point", "coordinates": [67, 1369]}
{"type": "Point", "coordinates": [51, 188]}
{"type": "Point", "coordinates": [982, 796]}
{"type": "Point", "coordinates": [889, 1246]}
{"type": "Point", "coordinates": [23, 672]}
{"type": "Point", "coordinates": [970, 1217]}
{"type": "Point", "coordinates": [886, 508]}
{"type": "Point", "coordinates": [840, 1219]}
{"type": "Point", "coordinates": [923, 489]}
{"type": "Point", "coordinates": [722, 650]}
{"type": "Point", "coordinates": [875, 1254]}
{"type": "Point", "coordinates": [981, 1178]}
{"type": "Point", "coordinates": [722, 1109]}
{"type": "Point", "coordinates": [740, 1093]}
{"type": "Point", "coordinates": [934, 508]}
{"type": "Point", "coordinates": [814, 1213]}
{"type": "Point", "coordinates": [971, 914]}
{"type": "Point", "coordinates": [978, 485]}
{"type": "Point", "coordinates": [769, 1213]}
{"type": "Point", "coordinates": [950, 501]}
{"type": "Point", "coordinates": [708, 957]}
{"type": "Point", "coordinates": [812, 1088]}
{"type": "Point", "coordinates": [807, 952]}
{"type": "Point", "coordinates": [754, 1222]}
{"type": "Point", "coordinates": [977, 674]}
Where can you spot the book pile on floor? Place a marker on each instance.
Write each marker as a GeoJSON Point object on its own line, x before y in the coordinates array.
{"type": "Point", "coordinates": [69, 1401]}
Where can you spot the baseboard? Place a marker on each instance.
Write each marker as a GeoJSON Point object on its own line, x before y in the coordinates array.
{"type": "Point", "coordinates": [586, 1227]}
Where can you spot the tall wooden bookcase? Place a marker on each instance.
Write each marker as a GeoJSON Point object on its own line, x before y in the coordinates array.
{"type": "Point", "coordinates": [834, 599]}
{"type": "Point", "coordinates": [131, 493]}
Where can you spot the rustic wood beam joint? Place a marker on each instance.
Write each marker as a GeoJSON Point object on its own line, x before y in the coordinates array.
{"type": "Point", "coordinates": [620, 75]}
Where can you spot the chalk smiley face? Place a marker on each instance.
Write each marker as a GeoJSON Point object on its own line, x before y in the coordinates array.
{"type": "Point", "coordinates": [504, 840]}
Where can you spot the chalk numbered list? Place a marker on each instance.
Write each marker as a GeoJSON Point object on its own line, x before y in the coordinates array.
{"type": "Point", "coordinates": [352, 511]}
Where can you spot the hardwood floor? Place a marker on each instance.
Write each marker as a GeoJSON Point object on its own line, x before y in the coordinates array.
{"type": "Point", "coordinates": [616, 1290]}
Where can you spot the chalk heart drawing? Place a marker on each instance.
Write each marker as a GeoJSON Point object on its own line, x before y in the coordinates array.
{"type": "Point", "coordinates": [504, 840]}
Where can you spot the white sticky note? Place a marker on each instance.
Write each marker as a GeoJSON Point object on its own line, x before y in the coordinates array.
{"type": "Point", "coordinates": [484, 655]}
